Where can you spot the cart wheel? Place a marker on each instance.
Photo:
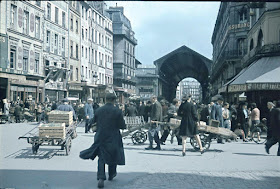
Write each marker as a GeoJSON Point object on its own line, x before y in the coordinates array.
{"type": "Point", "coordinates": [139, 137]}
{"type": "Point", "coordinates": [35, 148]}
{"type": "Point", "coordinates": [68, 146]}
{"type": "Point", "coordinates": [205, 142]}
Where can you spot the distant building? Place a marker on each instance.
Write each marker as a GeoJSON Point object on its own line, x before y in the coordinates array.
{"type": "Point", "coordinates": [229, 42]}
{"type": "Point", "coordinates": [124, 53]}
{"type": "Point", "coordinates": [74, 81]}
{"type": "Point", "coordinates": [192, 87]}
{"type": "Point", "coordinates": [146, 82]}
{"type": "Point", "coordinates": [56, 49]}
{"type": "Point", "coordinates": [96, 50]}
{"type": "Point", "coordinates": [21, 52]}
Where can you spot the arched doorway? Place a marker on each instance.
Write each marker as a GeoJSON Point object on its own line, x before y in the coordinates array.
{"type": "Point", "coordinates": [179, 64]}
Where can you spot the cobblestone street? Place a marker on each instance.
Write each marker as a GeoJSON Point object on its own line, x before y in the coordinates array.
{"type": "Point", "coordinates": [231, 165]}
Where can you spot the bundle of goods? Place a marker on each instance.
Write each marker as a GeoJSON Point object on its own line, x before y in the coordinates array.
{"type": "Point", "coordinates": [52, 130]}
{"type": "Point", "coordinates": [57, 116]}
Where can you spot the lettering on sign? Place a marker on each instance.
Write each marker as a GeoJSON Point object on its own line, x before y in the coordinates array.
{"type": "Point", "coordinates": [20, 17]}
{"type": "Point", "coordinates": [264, 86]}
{"type": "Point", "coordinates": [20, 57]}
{"type": "Point", "coordinates": [32, 22]}
{"type": "Point", "coordinates": [238, 26]}
{"type": "Point", "coordinates": [237, 88]}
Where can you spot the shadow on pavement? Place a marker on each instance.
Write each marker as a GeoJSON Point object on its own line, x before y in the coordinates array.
{"type": "Point", "coordinates": [42, 153]}
{"type": "Point", "coordinates": [253, 154]}
{"type": "Point", "coordinates": [29, 179]}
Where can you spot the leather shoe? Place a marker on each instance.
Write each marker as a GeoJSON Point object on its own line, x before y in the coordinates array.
{"type": "Point", "coordinates": [157, 148]}
{"type": "Point", "coordinates": [149, 148]}
{"type": "Point", "coordinates": [202, 151]}
{"type": "Point", "coordinates": [112, 176]}
{"type": "Point", "coordinates": [266, 149]}
{"type": "Point", "coordinates": [183, 153]}
{"type": "Point", "coordinates": [100, 183]}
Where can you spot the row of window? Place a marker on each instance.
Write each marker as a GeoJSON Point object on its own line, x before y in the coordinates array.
{"type": "Point", "coordinates": [25, 60]}
{"type": "Point", "coordinates": [56, 38]}
{"type": "Point", "coordinates": [97, 37]}
{"type": "Point", "coordinates": [56, 15]}
{"type": "Point", "coordinates": [89, 74]}
{"type": "Point", "coordinates": [91, 14]}
{"type": "Point", "coordinates": [25, 23]}
{"type": "Point", "coordinates": [129, 48]}
{"type": "Point", "coordinates": [93, 56]}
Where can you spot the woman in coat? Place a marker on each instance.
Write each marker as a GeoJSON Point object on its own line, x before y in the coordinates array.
{"type": "Point", "coordinates": [108, 145]}
{"type": "Point", "coordinates": [188, 127]}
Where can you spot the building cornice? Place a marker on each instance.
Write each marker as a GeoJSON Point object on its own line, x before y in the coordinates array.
{"type": "Point", "coordinates": [24, 35]}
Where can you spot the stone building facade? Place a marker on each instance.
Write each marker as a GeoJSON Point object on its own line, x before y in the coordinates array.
{"type": "Point", "coordinates": [124, 53]}
{"type": "Point", "coordinates": [21, 47]}
{"type": "Point", "coordinates": [229, 42]}
{"type": "Point", "coordinates": [74, 20]}
{"type": "Point", "coordinates": [55, 53]}
{"type": "Point", "coordinates": [146, 82]}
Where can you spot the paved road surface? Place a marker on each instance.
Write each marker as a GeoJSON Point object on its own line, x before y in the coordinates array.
{"type": "Point", "coordinates": [232, 165]}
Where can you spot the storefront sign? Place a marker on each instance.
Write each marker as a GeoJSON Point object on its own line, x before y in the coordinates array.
{"type": "Point", "coordinates": [238, 26]}
{"type": "Point", "coordinates": [237, 88]}
{"type": "Point", "coordinates": [263, 86]}
{"type": "Point", "coordinates": [75, 88]}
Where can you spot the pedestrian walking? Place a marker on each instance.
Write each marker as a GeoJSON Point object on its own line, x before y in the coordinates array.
{"type": "Point", "coordinates": [242, 119]}
{"type": "Point", "coordinates": [217, 114]}
{"type": "Point", "coordinates": [108, 145]}
{"type": "Point", "coordinates": [270, 106]}
{"type": "Point", "coordinates": [188, 126]}
{"type": "Point", "coordinates": [67, 107]}
{"type": "Point", "coordinates": [89, 114]}
{"type": "Point", "coordinates": [131, 110]}
{"type": "Point", "coordinates": [274, 126]}
{"type": "Point", "coordinates": [156, 115]}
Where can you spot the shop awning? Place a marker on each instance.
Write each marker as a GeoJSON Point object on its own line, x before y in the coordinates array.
{"type": "Point", "coordinates": [263, 74]}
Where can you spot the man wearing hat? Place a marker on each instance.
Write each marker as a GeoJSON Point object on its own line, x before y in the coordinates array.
{"type": "Point", "coordinates": [89, 113]}
{"type": "Point", "coordinates": [67, 107]}
{"type": "Point", "coordinates": [217, 114]}
{"type": "Point", "coordinates": [108, 145]}
{"type": "Point", "coordinates": [131, 110]}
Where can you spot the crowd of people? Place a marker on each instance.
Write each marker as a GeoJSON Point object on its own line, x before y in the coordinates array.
{"type": "Point", "coordinates": [240, 118]}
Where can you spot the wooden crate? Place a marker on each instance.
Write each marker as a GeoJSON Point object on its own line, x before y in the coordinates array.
{"type": "Point", "coordinates": [214, 123]}
{"type": "Point", "coordinates": [175, 121]}
{"type": "Point", "coordinates": [57, 116]}
{"type": "Point", "coordinates": [52, 130]}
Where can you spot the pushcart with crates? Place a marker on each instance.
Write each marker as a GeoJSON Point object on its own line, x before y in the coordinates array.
{"type": "Point", "coordinates": [58, 132]}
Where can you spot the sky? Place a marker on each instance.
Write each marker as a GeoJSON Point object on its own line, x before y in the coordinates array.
{"type": "Point", "coordinates": [163, 26]}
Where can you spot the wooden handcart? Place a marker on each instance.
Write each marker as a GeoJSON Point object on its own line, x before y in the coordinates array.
{"type": "Point", "coordinates": [135, 128]}
{"type": "Point", "coordinates": [58, 132]}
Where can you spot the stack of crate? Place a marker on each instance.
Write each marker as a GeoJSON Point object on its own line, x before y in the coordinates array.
{"type": "Point", "coordinates": [52, 130]}
{"type": "Point", "coordinates": [57, 116]}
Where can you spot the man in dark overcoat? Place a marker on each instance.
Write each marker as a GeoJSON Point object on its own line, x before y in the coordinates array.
{"type": "Point", "coordinates": [108, 145]}
{"type": "Point", "coordinates": [156, 115]}
{"type": "Point", "coordinates": [217, 114]}
{"type": "Point", "coordinates": [274, 125]}
{"type": "Point", "coordinates": [131, 110]}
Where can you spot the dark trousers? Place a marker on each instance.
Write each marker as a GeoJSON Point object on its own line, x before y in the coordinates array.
{"type": "Point", "coordinates": [112, 169]}
{"type": "Point", "coordinates": [155, 137]}
{"type": "Point", "coordinates": [272, 141]}
{"type": "Point", "coordinates": [245, 128]}
{"type": "Point", "coordinates": [165, 135]}
{"type": "Point", "coordinates": [87, 125]}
